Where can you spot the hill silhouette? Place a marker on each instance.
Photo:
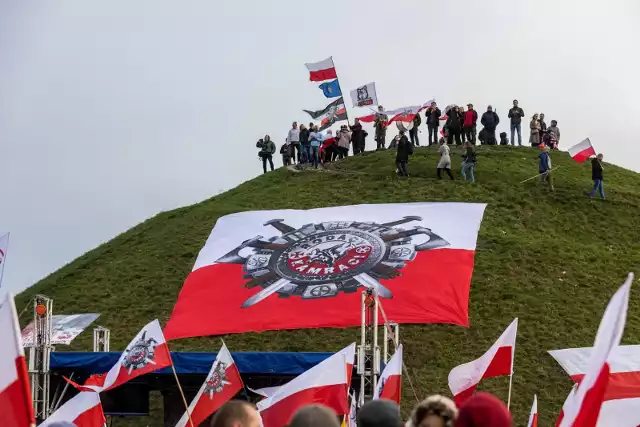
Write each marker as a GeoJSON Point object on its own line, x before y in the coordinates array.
{"type": "Point", "coordinates": [553, 260]}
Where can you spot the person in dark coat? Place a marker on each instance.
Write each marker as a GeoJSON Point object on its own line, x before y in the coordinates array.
{"type": "Point", "coordinates": [433, 122]}
{"type": "Point", "coordinates": [413, 132]}
{"type": "Point", "coordinates": [358, 137]}
{"type": "Point", "coordinates": [267, 149]}
{"type": "Point", "coordinates": [469, 124]}
{"type": "Point", "coordinates": [305, 147]}
{"type": "Point", "coordinates": [490, 121]}
{"type": "Point", "coordinates": [516, 114]}
{"type": "Point", "coordinates": [597, 175]}
{"type": "Point", "coordinates": [405, 149]}
{"type": "Point", "coordinates": [454, 126]}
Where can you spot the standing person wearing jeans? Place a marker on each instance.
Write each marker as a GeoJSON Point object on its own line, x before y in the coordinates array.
{"type": "Point", "coordinates": [516, 114]}
{"type": "Point", "coordinates": [294, 141]}
{"type": "Point", "coordinates": [304, 144]}
{"type": "Point", "coordinates": [597, 175]}
{"type": "Point", "coordinates": [404, 149]}
{"type": "Point", "coordinates": [267, 148]}
{"type": "Point", "coordinates": [469, 124]}
{"type": "Point", "coordinates": [315, 139]}
{"type": "Point", "coordinates": [433, 122]}
{"type": "Point", "coordinates": [544, 167]}
{"type": "Point", "coordinates": [469, 162]}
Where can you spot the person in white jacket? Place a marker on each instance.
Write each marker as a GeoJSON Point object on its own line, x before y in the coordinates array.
{"type": "Point", "coordinates": [445, 159]}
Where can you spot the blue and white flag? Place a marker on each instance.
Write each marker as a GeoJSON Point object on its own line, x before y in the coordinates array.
{"type": "Point", "coordinates": [331, 89]}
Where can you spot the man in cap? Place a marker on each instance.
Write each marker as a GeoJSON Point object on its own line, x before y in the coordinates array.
{"type": "Point", "coordinates": [490, 121]}
{"type": "Point", "coordinates": [380, 125]}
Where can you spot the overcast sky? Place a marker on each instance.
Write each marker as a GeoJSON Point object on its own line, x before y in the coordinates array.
{"type": "Point", "coordinates": [112, 111]}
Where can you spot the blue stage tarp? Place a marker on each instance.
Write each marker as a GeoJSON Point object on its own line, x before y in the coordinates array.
{"type": "Point", "coordinates": [195, 363]}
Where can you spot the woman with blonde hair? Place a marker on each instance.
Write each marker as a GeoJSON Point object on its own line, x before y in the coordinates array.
{"type": "Point", "coordinates": [534, 125]}
{"type": "Point", "coordinates": [434, 411]}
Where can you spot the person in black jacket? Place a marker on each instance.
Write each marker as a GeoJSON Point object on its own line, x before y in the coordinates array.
{"type": "Point", "coordinates": [516, 114]}
{"type": "Point", "coordinates": [305, 146]}
{"type": "Point", "coordinates": [597, 175]}
{"type": "Point", "coordinates": [454, 125]}
{"type": "Point", "coordinates": [433, 122]}
{"type": "Point", "coordinates": [413, 132]}
{"type": "Point", "coordinates": [405, 149]}
{"type": "Point", "coordinates": [358, 137]}
{"type": "Point", "coordinates": [490, 121]}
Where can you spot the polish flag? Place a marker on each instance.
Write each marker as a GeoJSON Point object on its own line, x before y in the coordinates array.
{"type": "Point", "coordinates": [390, 382]}
{"type": "Point", "coordinates": [621, 406]}
{"type": "Point", "coordinates": [321, 71]}
{"type": "Point", "coordinates": [583, 409]}
{"type": "Point", "coordinates": [16, 409]}
{"type": "Point", "coordinates": [533, 417]}
{"type": "Point", "coordinates": [222, 384]}
{"type": "Point", "coordinates": [325, 384]}
{"type": "Point", "coordinates": [147, 352]}
{"type": "Point", "coordinates": [496, 362]}
{"type": "Point", "coordinates": [406, 115]}
{"type": "Point", "coordinates": [582, 151]}
{"type": "Point", "coordinates": [4, 245]}
{"type": "Point", "coordinates": [83, 410]}
{"type": "Point", "coordinates": [427, 104]}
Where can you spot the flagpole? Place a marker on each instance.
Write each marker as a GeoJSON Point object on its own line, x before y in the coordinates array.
{"type": "Point", "coordinates": [529, 179]}
{"type": "Point", "coordinates": [184, 400]}
{"type": "Point", "coordinates": [341, 92]}
{"type": "Point", "coordinates": [509, 397]}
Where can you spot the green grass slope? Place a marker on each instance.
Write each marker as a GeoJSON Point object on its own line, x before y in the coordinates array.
{"type": "Point", "coordinates": [551, 260]}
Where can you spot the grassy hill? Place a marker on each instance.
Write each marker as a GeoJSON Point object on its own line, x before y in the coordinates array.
{"type": "Point", "coordinates": [553, 260]}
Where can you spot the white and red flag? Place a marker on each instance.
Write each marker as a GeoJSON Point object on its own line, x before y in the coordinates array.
{"type": "Point", "coordinates": [582, 151]}
{"type": "Point", "coordinates": [82, 410]}
{"type": "Point", "coordinates": [390, 382]}
{"type": "Point", "coordinates": [4, 246]}
{"type": "Point", "coordinates": [533, 416]}
{"type": "Point", "coordinates": [222, 384]}
{"type": "Point", "coordinates": [406, 115]}
{"type": "Point", "coordinates": [325, 384]}
{"type": "Point", "coordinates": [321, 71]}
{"type": "Point", "coordinates": [621, 405]}
{"type": "Point", "coordinates": [496, 362]}
{"type": "Point", "coordinates": [292, 269]}
{"type": "Point", "coordinates": [583, 409]}
{"type": "Point", "coordinates": [16, 408]}
{"type": "Point", "coordinates": [147, 352]}
{"type": "Point", "coordinates": [427, 104]}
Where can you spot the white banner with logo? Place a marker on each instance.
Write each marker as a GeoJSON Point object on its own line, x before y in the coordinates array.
{"type": "Point", "coordinates": [64, 328]}
{"type": "Point", "coordinates": [364, 96]}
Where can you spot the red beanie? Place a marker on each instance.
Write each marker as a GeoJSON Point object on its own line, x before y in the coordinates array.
{"type": "Point", "coordinates": [483, 410]}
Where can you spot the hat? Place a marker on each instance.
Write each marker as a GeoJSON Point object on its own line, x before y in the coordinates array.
{"type": "Point", "coordinates": [379, 413]}
{"type": "Point", "coordinates": [483, 410]}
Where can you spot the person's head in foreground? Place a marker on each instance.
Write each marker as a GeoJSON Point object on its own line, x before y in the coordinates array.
{"type": "Point", "coordinates": [62, 424]}
{"type": "Point", "coordinates": [236, 413]}
{"type": "Point", "coordinates": [379, 413]}
{"type": "Point", "coordinates": [483, 410]}
{"type": "Point", "coordinates": [434, 411]}
{"type": "Point", "coordinates": [314, 416]}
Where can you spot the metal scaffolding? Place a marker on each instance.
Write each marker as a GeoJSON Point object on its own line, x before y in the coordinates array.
{"type": "Point", "coordinates": [39, 355]}
{"type": "Point", "coordinates": [368, 351]}
{"type": "Point", "coordinates": [101, 338]}
{"type": "Point", "coordinates": [391, 335]}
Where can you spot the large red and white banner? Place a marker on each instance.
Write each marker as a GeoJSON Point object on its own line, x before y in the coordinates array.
{"type": "Point", "coordinates": [583, 408]}
{"type": "Point", "coordinates": [621, 406]}
{"type": "Point", "coordinates": [290, 269]}
{"type": "Point", "coordinates": [146, 353]}
{"type": "Point", "coordinates": [16, 409]}
{"type": "Point", "coordinates": [82, 410]}
{"type": "Point", "coordinates": [221, 385]}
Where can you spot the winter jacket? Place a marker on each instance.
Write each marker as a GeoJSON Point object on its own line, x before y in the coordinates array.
{"type": "Point", "coordinates": [555, 131]}
{"type": "Point", "coordinates": [470, 118]}
{"type": "Point", "coordinates": [315, 138]}
{"type": "Point", "coordinates": [433, 117]}
{"type": "Point", "coordinates": [404, 149]}
{"type": "Point", "coordinates": [544, 162]}
{"type": "Point", "coordinates": [543, 126]}
{"type": "Point", "coordinates": [304, 136]}
{"type": "Point", "coordinates": [454, 122]}
{"type": "Point", "coordinates": [597, 171]}
{"type": "Point", "coordinates": [344, 137]}
{"type": "Point", "coordinates": [380, 121]}
{"type": "Point", "coordinates": [490, 120]}
{"type": "Point", "coordinates": [516, 114]}
{"type": "Point", "coordinates": [267, 148]}
{"type": "Point", "coordinates": [358, 135]}
{"type": "Point", "coordinates": [469, 156]}
{"type": "Point", "coordinates": [294, 136]}
{"type": "Point", "coordinates": [417, 121]}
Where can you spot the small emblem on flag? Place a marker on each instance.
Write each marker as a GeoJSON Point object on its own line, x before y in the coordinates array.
{"type": "Point", "coordinates": [217, 381]}
{"type": "Point", "coordinates": [141, 353]}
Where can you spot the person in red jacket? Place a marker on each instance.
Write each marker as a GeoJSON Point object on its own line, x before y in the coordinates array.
{"type": "Point", "coordinates": [469, 124]}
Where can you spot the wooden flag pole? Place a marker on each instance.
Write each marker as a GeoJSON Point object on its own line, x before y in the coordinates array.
{"type": "Point", "coordinates": [184, 400]}
{"type": "Point", "coordinates": [346, 112]}
{"type": "Point", "coordinates": [533, 177]}
{"type": "Point", "coordinates": [510, 384]}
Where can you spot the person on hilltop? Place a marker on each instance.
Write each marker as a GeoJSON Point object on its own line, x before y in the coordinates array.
{"type": "Point", "coordinates": [543, 127]}
{"type": "Point", "coordinates": [304, 144]}
{"type": "Point", "coordinates": [461, 117]}
{"type": "Point", "coordinates": [380, 124]}
{"type": "Point", "coordinates": [358, 137]}
{"type": "Point", "coordinates": [405, 149]}
{"type": "Point", "coordinates": [469, 162]}
{"type": "Point", "coordinates": [534, 125]}
{"type": "Point", "coordinates": [490, 121]}
{"type": "Point", "coordinates": [433, 122]}
{"type": "Point", "coordinates": [434, 411]}
{"type": "Point", "coordinates": [454, 126]}
{"type": "Point", "coordinates": [445, 159]}
{"type": "Point", "coordinates": [344, 138]}
{"type": "Point", "coordinates": [294, 141]}
{"type": "Point", "coordinates": [516, 114]}
{"type": "Point", "coordinates": [597, 175]}
{"type": "Point", "coordinates": [544, 167]}
{"type": "Point", "coordinates": [413, 132]}
{"type": "Point", "coordinates": [469, 124]}
{"type": "Point", "coordinates": [553, 132]}
{"type": "Point", "coordinates": [236, 413]}
{"type": "Point", "coordinates": [267, 149]}
{"type": "Point", "coordinates": [286, 153]}
{"type": "Point", "coordinates": [315, 140]}
{"type": "Point", "coordinates": [483, 410]}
